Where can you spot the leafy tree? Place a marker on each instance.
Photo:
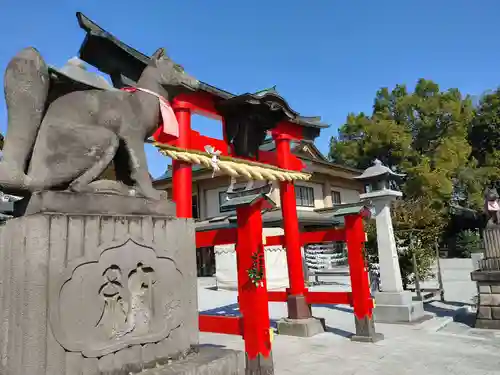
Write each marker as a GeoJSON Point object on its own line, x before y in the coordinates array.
{"type": "Point", "coordinates": [424, 134]}
{"type": "Point", "coordinates": [484, 137]}
{"type": "Point", "coordinates": [418, 224]}
{"type": "Point", "coordinates": [468, 242]}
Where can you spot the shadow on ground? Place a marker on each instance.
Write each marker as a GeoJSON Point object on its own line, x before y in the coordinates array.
{"type": "Point", "coordinates": [234, 310]}
{"type": "Point", "coordinates": [342, 308]}
{"type": "Point", "coordinates": [339, 332]}
{"type": "Point", "coordinates": [228, 310]}
{"type": "Point", "coordinates": [459, 311]}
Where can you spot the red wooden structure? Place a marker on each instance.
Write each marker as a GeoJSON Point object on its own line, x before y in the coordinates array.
{"type": "Point", "coordinates": [359, 297]}
{"type": "Point", "coordinates": [254, 325]}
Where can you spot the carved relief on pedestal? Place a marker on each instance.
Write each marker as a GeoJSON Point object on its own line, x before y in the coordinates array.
{"type": "Point", "coordinates": [128, 301]}
{"type": "Point", "coordinates": [129, 295]}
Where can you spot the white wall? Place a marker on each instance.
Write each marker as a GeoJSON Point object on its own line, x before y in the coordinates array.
{"type": "Point", "coordinates": [346, 195]}
{"type": "Point", "coordinates": [275, 260]}
{"type": "Point", "coordinates": [212, 201]}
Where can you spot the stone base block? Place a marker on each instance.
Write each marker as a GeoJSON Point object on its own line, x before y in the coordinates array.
{"type": "Point", "coordinates": [374, 338]}
{"type": "Point", "coordinates": [260, 365]}
{"type": "Point", "coordinates": [488, 311]}
{"type": "Point", "coordinates": [301, 327]}
{"type": "Point", "coordinates": [89, 203]}
{"type": "Point", "coordinates": [397, 308]}
{"type": "Point", "coordinates": [487, 324]}
{"type": "Point", "coordinates": [365, 331]}
{"type": "Point", "coordinates": [208, 361]}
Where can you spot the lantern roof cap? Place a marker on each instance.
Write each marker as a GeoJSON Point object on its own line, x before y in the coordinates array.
{"type": "Point", "coordinates": [75, 70]}
{"type": "Point", "coordinates": [378, 170]}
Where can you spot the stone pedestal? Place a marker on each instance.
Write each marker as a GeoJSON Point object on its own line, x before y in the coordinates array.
{"type": "Point", "coordinates": [390, 273]}
{"type": "Point", "coordinates": [487, 278]}
{"type": "Point", "coordinates": [393, 304]}
{"type": "Point", "coordinates": [301, 327]}
{"type": "Point", "coordinates": [300, 322]}
{"type": "Point", "coordinates": [207, 361]}
{"type": "Point", "coordinates": [96, 284]}
{"type": "Point", "coordinates": [365, 331]}
{"type": "Point", "coordinates": [397, 307]}
{"type": "Point", "coordinates": [488, 311]}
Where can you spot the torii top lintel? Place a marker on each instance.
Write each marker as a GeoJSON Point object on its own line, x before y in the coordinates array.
{"type": "Point", "coordinates": [124, 64]}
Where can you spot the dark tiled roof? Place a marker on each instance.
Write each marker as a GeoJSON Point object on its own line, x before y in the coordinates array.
{"type": "Point", "coordinates": [111, 56]}
{"type": "Point", "coordinates": [168, 172]}
{"type": "Point", "coordinates": [273, 218]}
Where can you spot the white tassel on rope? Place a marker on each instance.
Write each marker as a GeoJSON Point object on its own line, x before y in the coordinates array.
{"type": "Point", "coordinates": [215, 158]}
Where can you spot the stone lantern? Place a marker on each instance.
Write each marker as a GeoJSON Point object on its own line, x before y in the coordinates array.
{"type": "Point", "coordinates": [380, 180]}
{"type": "Point", "coordinates": [393, 303]}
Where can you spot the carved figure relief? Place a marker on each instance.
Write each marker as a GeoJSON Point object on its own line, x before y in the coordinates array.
{"type": "Point", "coordinates": [114, 312]}
{"type": "Point", "coordinates": [128, 306]}
{"type": "Point", "coordinates": [128, 296]}
{"type": "Point", "coordinates": [141, 308]}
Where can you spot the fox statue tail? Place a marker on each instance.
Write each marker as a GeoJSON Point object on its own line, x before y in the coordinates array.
{"type": "Point", "coordinates": [26, 85]}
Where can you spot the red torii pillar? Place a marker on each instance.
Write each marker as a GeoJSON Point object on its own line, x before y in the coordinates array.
{"type": "Point", "coordinates": [252, 297]}
{"type": "Point", "coordinates": [182, 175]}
{"type": "Point", "coordinates": [362, 302]}
{"type": "Point", "coordinates": [296, 301]}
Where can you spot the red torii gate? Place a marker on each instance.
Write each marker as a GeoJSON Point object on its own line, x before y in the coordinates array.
{"type": "Point", "coordinates": [359, 297]}
{"type": "Point", "coordinates": [254, 324]}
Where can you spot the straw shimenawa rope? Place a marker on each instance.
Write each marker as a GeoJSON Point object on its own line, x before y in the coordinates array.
{"type": "Point", "coordinates": [249, 170]}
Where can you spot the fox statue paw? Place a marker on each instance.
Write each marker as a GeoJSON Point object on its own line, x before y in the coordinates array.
{"type": "Point", "coordinates": [12, 178]}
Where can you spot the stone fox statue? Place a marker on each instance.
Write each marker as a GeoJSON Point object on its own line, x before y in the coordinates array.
{"type": "Point", "coordinates": [61, 140]}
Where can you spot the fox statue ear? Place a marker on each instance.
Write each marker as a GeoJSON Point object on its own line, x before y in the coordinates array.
{"type": "Point", "coordinates": [160, 52]}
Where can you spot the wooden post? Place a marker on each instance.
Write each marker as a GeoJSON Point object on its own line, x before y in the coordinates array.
{"type": "Point", "coordinates": [361, 296]}
{"type": "Point", "coordinates": [439, 275]}
{"type": "Point", "coordinates": [417, 278]}
{"type": "Point", "coordinates": [252, 298]}
{"type": "Point", "coordinates": [296, 303]}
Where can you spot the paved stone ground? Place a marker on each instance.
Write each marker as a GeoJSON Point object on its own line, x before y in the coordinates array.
{"type": "Point", "coordinates": [445, 344]}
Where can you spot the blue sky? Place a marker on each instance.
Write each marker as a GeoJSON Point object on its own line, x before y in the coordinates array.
{"type": "Point", "coordinates": [326, 57]}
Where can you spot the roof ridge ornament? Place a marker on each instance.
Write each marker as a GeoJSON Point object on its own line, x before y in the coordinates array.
{"type": "Point", "coordinates": [270, 90]}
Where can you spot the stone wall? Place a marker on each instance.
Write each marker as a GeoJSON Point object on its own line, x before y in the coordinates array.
{"type": "Point", "coordinates": [488, 312]}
